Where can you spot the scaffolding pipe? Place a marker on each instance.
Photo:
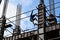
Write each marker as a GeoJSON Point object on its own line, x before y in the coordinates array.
{"type": "Point", "coordinates": [3, 20]}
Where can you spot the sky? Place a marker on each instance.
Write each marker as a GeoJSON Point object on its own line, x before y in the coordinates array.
{"type": "Point", "coordinates": [26, 6]}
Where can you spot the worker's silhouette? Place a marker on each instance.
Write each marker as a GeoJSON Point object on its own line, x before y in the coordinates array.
{"type": "Point", "coordinates": [32, 17]}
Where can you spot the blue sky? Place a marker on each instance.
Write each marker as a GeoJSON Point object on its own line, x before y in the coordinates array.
{"type": "Point", "coordinates": [31, 4]}
{"type": "Point", "coordinates": [26, 6]}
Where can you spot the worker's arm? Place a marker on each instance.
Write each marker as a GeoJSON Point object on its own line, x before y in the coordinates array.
{"type": "Point", "coordinates": [7, 25]}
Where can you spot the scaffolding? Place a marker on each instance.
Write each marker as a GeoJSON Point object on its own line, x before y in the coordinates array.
{"type": "Point", "coordinates": [49, 32]}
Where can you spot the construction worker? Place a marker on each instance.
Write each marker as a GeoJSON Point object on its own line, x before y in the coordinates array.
{"type": "Point", "coordinates": [32, 17]}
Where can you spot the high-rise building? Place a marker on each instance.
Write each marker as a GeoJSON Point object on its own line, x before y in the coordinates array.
{"type": "Point", "coordinates": [17, 30]}
{"type": "Point", "coordinates": [52, 7]}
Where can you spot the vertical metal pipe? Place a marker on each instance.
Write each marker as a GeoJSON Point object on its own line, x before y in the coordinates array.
{"type": "Point", "coordinates": [41, 1]}
{"type": "Point", "coordinates": [0, 1]}
{"type": "Point", "coordinates": [3, 20]}
{"type": "Point", "coordinates": [4, 7]}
